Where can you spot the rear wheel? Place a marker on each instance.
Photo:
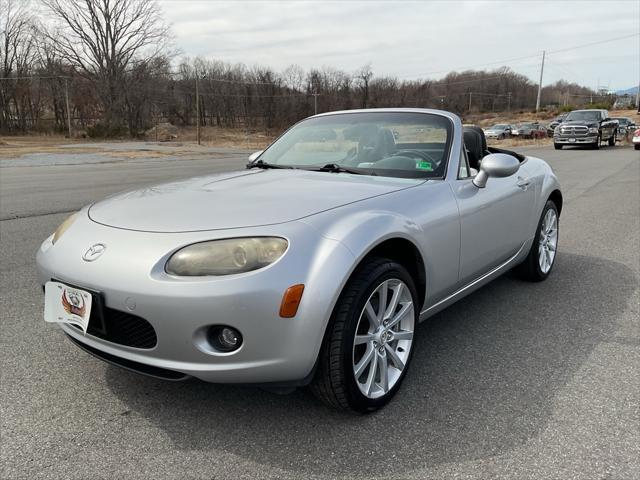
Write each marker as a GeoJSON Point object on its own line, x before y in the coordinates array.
{"type": "Point", "coordinates": [538, 264]}
{"type": "Point", "coordinates": [369, 341]}
{"type": "Point", "coordinates": [557, 146]}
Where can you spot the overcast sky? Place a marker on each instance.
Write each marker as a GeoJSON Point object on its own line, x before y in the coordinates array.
{"type": "Point", "coordinates": [418, 39]}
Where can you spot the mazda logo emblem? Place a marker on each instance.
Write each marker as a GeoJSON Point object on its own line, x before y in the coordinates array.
{"type": "Point", "coordinates": [94, 252]}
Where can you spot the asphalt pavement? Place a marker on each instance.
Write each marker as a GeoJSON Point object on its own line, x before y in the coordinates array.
{"type": "Point", "coordinates": [518, 380]}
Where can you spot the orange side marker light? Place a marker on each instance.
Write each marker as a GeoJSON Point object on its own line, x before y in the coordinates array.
{"type": "Point", "coordinates": [291, 301]}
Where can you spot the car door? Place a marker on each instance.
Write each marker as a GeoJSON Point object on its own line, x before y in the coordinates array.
{"type": "Point", "coordinates": [494, 221]}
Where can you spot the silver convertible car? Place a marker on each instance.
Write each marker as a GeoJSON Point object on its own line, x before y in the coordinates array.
{"type": "Point", "coordinates": [313, 266]}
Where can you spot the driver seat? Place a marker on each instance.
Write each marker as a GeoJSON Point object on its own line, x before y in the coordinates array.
{"type": "Point", "coordinates": [476, 144]}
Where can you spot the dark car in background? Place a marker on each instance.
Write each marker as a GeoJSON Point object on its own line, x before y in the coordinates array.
{"type": "Point", "coordinates": [586, 127]}
{"type": "Point", "coordinates": [625, 126]}
{"type": "Point", "coordinates": [554, 123]}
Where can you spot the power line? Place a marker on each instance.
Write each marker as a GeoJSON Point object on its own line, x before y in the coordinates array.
{"type": "Point", "coordinates": [607, 40]}
{"type": "Point", "coordinates": [536, 55]}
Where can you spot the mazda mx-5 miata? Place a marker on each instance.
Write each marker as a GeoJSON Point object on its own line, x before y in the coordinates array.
{"type": "Point", "coordinates": [314, 265]}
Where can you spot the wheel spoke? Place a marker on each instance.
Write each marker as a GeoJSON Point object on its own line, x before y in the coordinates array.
{"type": "Point", "coordinates": [406, 308]}
{"type": "Point", "coordinates": [360, 339]}
{"type": "Point", "coordinates": [382, 295]}
{"type": "Point", "coordinates": [371, 315]}
{"type": "Point", "coordinates": [364, 361]}
{"type": "Point", "coordinates": [402, 335]}
{"type": "Point", "coordinates": [372, 375]}
{"type": "Point", "coordinates": [549, 258]}
{"type": "Point", "coordinates": [383, 367]}
{"type": "Point", "coordinates": [395, 359]}
{"type": "Point", "coordinates": [393, 304]}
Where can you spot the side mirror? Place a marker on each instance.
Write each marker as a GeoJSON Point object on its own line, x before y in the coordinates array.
{"type": "Point", "coordinates": [255, 155]}
{"type": "Point", "coordinates": [497, 165]}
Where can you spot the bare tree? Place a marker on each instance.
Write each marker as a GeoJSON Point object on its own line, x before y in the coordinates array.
{"type": "Point", "coordinates": [105, 40]}
{"type": "Point", "coordinates": [363, 76]}
{"type": "Point", "coordinates": [17, 54]}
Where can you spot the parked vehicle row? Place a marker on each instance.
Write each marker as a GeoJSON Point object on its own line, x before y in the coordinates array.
{"type": "Point", "coordinates": [501, 131]}
{"type": "Point", "coordinates": [589, 127]}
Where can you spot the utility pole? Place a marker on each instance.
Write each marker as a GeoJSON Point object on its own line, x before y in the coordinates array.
{"type": "Point", "coordinates": [509, 102]}
{"type": "Point", "coordinates": [470, 102]}
{"type": "Point", "coordinates": [197, 108]}
{"type": "Point", "coordinates": [540, 83]}
{"type": "Point", "coordinates": [315, 103]}
{"type": "Point", "coordinates": [66, 101]}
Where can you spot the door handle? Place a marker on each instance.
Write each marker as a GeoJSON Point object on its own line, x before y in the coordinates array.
{"type": "Point", "coordinates": [523, 183]}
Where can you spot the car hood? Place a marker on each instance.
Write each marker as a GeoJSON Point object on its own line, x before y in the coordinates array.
{"type": "Point", "coordinates": [239, 199]}
{"type": "Point", "coordinates": [581, 123]}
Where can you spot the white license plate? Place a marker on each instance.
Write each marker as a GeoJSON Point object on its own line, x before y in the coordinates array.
{"type": "Point", "coordinates": [572, 140]}
{"type": "Point", "coordinates": [65, 304]}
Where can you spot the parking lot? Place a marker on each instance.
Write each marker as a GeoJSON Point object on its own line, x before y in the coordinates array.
{"type": "Point", "coordinates": [518, 380]}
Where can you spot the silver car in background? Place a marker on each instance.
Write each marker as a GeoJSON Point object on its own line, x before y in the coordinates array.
{"type": "Point", "coordinates": [499, 131]}
{"type": "Point", "coordinates": [313, 266]}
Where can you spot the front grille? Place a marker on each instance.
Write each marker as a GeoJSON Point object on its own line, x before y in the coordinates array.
{"type": "Point", "coordinates": [574, 131]}
{"type": "Point", "coordinates": [121, 328]}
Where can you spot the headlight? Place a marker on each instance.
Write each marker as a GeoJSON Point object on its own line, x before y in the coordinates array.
{"type": "Point", "coordinates": [64, 226]}
{"type": "Point", "coordinates": [593, 129]}
{"type": "Point", "coordinates": [226, 257]}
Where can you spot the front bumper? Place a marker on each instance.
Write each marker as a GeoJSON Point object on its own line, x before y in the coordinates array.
{"type": "Point", "coordinates": [130, 275]}
{"type": "Point", "coordinates": [575, 140]}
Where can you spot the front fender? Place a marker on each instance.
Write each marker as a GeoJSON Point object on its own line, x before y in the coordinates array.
{"type": "Point", "coordinates": [429, 220]}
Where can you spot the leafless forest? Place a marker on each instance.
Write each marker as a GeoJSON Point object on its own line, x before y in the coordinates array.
{"type": "Point", "coordinates": [108, 68]}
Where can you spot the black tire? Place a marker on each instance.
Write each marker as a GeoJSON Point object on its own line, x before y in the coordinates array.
{"type": "Point", "coordinates": [530, 269]}
{"type": "Point", "coordinates": [612, 140]}
{"type": "Point", "coordinates": [596, 145]}
{"type": "Point", "coordinates": [636, 146]}
{"type": "Point", "coordinates": [558, 146]}
{"type": "Point", "coordinates": [334, 382]}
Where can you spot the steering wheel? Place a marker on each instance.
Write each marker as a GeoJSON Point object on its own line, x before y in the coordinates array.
{"type": "Point", "coordinates": [417, 154]}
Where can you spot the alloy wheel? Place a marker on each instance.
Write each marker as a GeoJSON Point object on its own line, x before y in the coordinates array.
{"type": "Point", "coordinates": [548, 241]}
{"type": "Point", "coordinates": [383, 339]}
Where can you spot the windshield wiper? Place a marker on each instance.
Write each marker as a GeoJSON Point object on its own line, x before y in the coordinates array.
{"type": "Point", "coordinates": [265, 165]}
{"type": "Point", "coordinates": [335, 168]}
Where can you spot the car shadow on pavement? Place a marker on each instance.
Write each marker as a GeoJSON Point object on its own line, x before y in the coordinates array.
{"type": "Point", "coordinates": [483, 381]}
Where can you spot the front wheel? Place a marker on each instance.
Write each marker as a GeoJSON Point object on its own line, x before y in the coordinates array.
{"type": "Point", "coordinates": [612, 140]}
{"type": "Point", "coordinates": [557, 146]}
{"type": "Point", "coordinates": [596, 145]}
{"type": "Point", "coordinates": [636, 146]}
{"type": "Point", "coordinates": [538, 264]}
{"type": "Point", "coordinates": [369, 341]}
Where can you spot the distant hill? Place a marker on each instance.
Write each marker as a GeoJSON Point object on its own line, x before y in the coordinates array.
{"type": "Point", "coordinates": [628, 91]}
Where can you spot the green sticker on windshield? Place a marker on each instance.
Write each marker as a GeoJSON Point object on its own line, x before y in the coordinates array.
{"type": "Point", "coordinates": [424, 165]}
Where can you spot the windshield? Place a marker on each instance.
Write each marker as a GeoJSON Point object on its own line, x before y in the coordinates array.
{"type": "Point", "coordinates": [526, 125]}
{"type": "Point", "coordinates": [499, 127]}
{"type": "Point", "coordinates": [394, 144]}
{"type": "Point", "coordinates": [588, 115]}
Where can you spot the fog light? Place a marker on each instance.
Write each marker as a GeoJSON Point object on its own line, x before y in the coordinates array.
{"type": "Point", "coordinates": [225, 339]}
